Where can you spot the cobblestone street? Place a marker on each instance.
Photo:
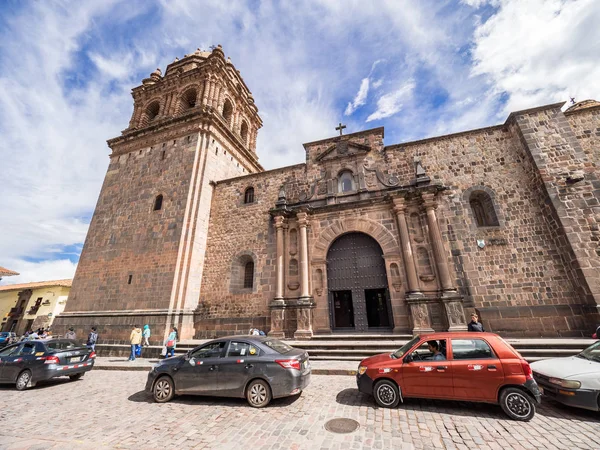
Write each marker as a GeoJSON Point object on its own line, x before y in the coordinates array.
{"type": "Point", "coordinates": [108, 409]}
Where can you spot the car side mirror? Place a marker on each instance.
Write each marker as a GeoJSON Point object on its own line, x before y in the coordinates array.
{"type": "Point", "coordinates": [408, 359]}
{"type": "Point", "coordinates": [187, 356]}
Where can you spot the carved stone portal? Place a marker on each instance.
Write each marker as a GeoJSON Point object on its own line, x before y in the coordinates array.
{"type": "Point", "coordinates": [420, 317]}
{"type": "Point", "coordinates": [277, 321]}
{"type": "Point", "coordinates": [304, 323]}
{"type": "Point", "coordinates": [455, 315]}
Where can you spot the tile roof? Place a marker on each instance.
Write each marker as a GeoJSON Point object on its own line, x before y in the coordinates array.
{"type": "Point", "coordinates": [7, 273]}
{"type": "Point", "coordinates": [37, 284]}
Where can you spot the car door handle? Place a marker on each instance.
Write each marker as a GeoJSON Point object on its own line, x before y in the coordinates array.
{"type": "Point", "coordinates": [492, 367]}
{"type": "Point", "coordinates": [211, 368]}
{"type": "Point", "coordinates": [249, 366]}
{"type": "Point", "coordinates": [441, 368]}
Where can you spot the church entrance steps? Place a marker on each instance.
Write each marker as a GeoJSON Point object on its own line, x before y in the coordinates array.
{"type": "Point", "coordinates": [356, 347]}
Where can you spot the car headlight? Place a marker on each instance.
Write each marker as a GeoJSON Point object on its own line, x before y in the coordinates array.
{"type": "Point", "coordinates": [569, 384]}
{"type": "Point", "coordinates": [362, 369]}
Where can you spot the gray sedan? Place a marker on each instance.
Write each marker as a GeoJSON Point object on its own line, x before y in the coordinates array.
{"type": "Point", "coordinates": [253, 367]}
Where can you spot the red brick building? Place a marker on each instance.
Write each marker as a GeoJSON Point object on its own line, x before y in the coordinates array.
{"type": "Point", "coordinates": [189, 231]}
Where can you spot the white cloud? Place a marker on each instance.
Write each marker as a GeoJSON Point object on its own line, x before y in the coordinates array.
{"type": "Point", "coordinates": [40, 271]}
{"type": "Point", "coordinates": [377, 83]}
{"type": "Point", "coordinates": [541, 51]}
{"type": "Point", "coordinates": [360, 99]}
{"type": "Point", "coordinates": [392, 102]}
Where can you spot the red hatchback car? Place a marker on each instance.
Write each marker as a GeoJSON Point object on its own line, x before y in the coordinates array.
{"type": "Point", "coordinates": [474, 367]}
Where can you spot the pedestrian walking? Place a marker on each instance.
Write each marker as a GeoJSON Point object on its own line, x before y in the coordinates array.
{"type": "Point", "coordinates": [70, 334]}
{"type": "Point", "coordinates": [92, 339]}
{"type": "Point", "coordinates": [171, 342]}
{"type": "Point", "coordinates": [474, 325]}
{"type": "Point", "coordinates": [146, 335]}
{"type": "Point", "coordinates": [135, 338]}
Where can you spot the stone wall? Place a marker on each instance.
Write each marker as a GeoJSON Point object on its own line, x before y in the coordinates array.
{"type": "Point", "coordinates": [240, 229]}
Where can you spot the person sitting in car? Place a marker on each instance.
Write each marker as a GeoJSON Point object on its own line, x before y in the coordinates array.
{"type": "Point", "coordinates": [434, 348]}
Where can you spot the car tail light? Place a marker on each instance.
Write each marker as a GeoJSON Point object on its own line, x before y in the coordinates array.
{"type": "Point", "coordinates": [92, 355]}
{"type": "Point", "coordinates": [289, 363]}
{"type": "Point", "coordinates": [526, 369]}
{"type": "Point", "coordinates": [51, 360]}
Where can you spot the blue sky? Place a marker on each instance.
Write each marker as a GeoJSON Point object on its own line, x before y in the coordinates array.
{"type": "Point", "coordinates": [420, 68]}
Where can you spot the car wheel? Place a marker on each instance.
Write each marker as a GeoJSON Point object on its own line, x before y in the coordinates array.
{"type": "Point", "coordinates": [517, 404]}
{"type": "Point", "coordinates": [23, 380]}
{"type": "Point", "coordinates": [386, 394]}
{"type": "Point", "coordinates": [75, 377]}
{"type": "Point", "coordinates": [164, 390]}
{"type": "Point", "coordinates": [258, 393]}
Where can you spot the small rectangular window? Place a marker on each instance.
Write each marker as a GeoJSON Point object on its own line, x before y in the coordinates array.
{"type": "Point", "coordinates": [241, 349]}
{"type": "Point", "coordinates": [471, 349]}
{"type": "Point", "coordinates": [129, 279]}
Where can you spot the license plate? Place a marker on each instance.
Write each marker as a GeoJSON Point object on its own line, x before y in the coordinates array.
{"type": "Point", "coordinates": [75, 359]}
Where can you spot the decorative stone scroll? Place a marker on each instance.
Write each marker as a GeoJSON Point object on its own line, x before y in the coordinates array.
{"type": "Point", "coordinates": [390, 181]}
{"type": "Point", "coordinates": [304, 322]}
{"type": "Point", "coordinates": [420, 317]}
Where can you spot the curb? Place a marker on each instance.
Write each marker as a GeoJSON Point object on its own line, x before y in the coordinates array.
{"type": "Point", "coordinates": [345, 372]}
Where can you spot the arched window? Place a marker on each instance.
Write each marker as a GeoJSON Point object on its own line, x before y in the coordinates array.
{"type": "Point", "coordinates": [244, 132]}
{"type": "Point", "coordinates": [249, 275]}
{"type": "Point", "coordinates": [483, 209]}
{"type": "Point", "coordinates": [158, 201]}
{"type": "Point", "coordinates": [152, 110]}
{"type": "Point", "coordinates": [227, 111]}
{"type": "Point", "coordinates": [249, 195]}
{"type": "Point", "coordinates": [188, 99]}
{"type": "Point", "coordinates": [346, 182]}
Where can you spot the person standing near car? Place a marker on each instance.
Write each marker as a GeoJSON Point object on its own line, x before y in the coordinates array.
{"type": "Point", "coordinates": [146, 335]}
{"type": "Point", "coordinates": [135, 338]}
{"type": "Point", "coordinates": [474, 325]}
{"type": "Point", "coordinates": [70, 334]}
{"type": "Point", "coordinates": [171, 342]}
{"type": "Point", "coordinates": [92, 339]}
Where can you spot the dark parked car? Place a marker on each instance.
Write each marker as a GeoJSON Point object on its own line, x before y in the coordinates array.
{"type": "Point", "coordinates": [476, 367]}
{"type": "Point", "coordinates": [29, 362]}
{"type": "Point", "coordinates": [6, 338]}
{"type": "Point", "coordinates": [258, 368]}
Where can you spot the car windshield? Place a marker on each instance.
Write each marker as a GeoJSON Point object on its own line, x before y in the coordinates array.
{"type": "Point", "coordinates": [278, 346]}
{"type": "Point", "coordinates": [591, 353]}
{"type": "Point", "coordinates": [406, 347]}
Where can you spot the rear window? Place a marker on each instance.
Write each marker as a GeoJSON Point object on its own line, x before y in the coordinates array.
{"type": "Point", "coordinates": [278, 346]}
{"type": "Point", "coordinates": [61, 345]}
{"type": "Point", "coordinates": [471, 349]}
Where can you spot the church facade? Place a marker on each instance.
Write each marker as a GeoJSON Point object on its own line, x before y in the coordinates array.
{"type": "Point", "coordinates": [190, 231]}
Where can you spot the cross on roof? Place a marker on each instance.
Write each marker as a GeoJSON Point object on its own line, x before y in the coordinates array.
{"type": "Point", "coordinates": [340, 127]}
{"type": "Point", "coordinates": [572, 100]}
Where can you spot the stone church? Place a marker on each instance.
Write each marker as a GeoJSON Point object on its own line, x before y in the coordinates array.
{"type": "Point", "coordinates": [190, 231]}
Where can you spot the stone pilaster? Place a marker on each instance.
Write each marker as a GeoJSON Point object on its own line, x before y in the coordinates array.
{"type": "Point", "coordinates": [455, 314]}
{"type": "Point", "coordinates": [420, 316]}
{"type": "Point", "coordinates": [441, 259]}
{"type": "Point", "coordinates": [304, 316]}
{"type": "Point", "coordinates": [279, 223]}
{"type": "Point", "coordinates": [303, 224]}
{"type": "Point", "coordinates": [277, 320]}
{"type": "Point", "coordinates": [407, 253]}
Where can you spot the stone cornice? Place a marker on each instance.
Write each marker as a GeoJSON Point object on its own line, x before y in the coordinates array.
{"type": "Point", "coordinates": [347, 136]}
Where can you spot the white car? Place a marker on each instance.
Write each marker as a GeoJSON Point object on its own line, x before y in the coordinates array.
{"type": "Point", "coordinates": [574, 381]}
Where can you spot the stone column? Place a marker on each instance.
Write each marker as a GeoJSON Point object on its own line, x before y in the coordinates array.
{"type": "Point", "coordinates": [303, 223]}
{"type": "Point", "coordinates": [205, 92]}
{"type": "Point", "coordinates": [279, 222]}
{"type": "Point", "coordinates": [277, 320]}
{"type": "Point", "coordinates": [407, 253]}
{"type": "Point", "coordinates": [435, 235]}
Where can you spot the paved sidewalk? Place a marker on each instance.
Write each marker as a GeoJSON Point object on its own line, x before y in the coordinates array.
{"type": "Point", "coordinates": [145, 364]}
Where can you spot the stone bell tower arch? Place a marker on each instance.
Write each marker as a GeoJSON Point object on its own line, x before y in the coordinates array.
{"type": "Point", "coordinates": [143, 257]}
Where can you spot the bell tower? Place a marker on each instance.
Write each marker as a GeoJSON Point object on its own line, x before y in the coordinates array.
{"type": "Point", "coordinates": [143, 257]}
